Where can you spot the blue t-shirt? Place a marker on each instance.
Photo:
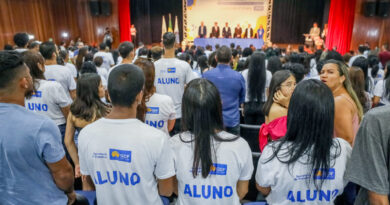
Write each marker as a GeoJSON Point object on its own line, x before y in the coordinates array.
{"type": "Point", "coordinates": [27, 142]}
{"type": "Point", "coordinates": [231, 86]}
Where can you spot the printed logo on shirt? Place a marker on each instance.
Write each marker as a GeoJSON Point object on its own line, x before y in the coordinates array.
{"type": "Point", "coordinates": [171, 70]}
{"type": "Point", "coordinates": [37, 106]}
{"type": "Point", "coordinates": [321, 174]}
{"type": "Point", "coordinates": [120, 155]}
{"type": "Point", "coordinates": [318, 174]}
{"type": "Point", "coordinates": [216, 169]}
{"type": "Point", "coordinates": [152, 110]}
{"type": "Point", "coordinates": [37, 94]}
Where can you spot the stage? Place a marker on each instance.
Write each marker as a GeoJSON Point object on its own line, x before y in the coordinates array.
{"type": "Point", "coordinates": [242, 42]}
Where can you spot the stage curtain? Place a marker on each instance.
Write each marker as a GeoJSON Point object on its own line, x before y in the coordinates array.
{"type": "Point", "coordinates": [124, 19]}
{"type": "Point", "coordinates": [340, 24]}
{"type": "Point", "coordinates": [292, 18]}
{"type": "Point", "coordinates": [146, 15]}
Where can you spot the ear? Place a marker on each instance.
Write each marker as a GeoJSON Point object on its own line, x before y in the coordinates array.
{"type": "Point", "coordinates": [139, 97]}
{"type": "Point", "coordinates": [342, 79]}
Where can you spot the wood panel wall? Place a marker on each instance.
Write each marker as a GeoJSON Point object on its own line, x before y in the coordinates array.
{"type": "Point", "coordinates": [50, 18]}
{"type": "Point", "coordinates": [374, 30]}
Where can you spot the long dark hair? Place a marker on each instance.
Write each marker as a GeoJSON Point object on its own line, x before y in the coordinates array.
{"type": "Point", "coordinates": [202, 117]}
{"type": "Point", "coordinates": [148, 68]}
{"type": "Point", "coordinates": [362, 63]}
{"type": "Point", "coordinates": [87, 105]}
{"type": "Point", "coordinates": [277, 79]}
{"type": "Point", "coordinates": [387, 81]}
{"type": "Point", "coordinates": [310, 123]}
{"type": "Point", "coordinates": [31, 59]}
{"type": "Point", "coordinates": [356, 76]}
{"type": "Point", "coordinates": [256, 77]}
{"type": "Point", "coordinates": [373, 63]}
{"type": "Point", "coordinates": [80, 57]}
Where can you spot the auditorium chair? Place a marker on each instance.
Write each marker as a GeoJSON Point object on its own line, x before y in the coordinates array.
{"type": "Point", "coordinates": [251, 134]}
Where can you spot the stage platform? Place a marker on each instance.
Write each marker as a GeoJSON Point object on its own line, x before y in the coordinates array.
{"type": "Point", "coordinates": [243, 42]}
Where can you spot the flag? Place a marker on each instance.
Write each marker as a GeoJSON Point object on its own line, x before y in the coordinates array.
{"type": "Point", "coordinates": [176, 31]}
{"type": "Point", "coordinates": [170, 24]}
{"type": "Point", "coordinates": [164, 27]}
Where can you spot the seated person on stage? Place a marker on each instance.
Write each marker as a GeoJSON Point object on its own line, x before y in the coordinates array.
{"type": "Point", "coordinates": [260, 32]}
{"type": "Point", "coordinates": [237, 31]}
{"type": "Point", "coordinates": [314, 31]}
{"type": "Point", "coordinates": [226, 31]}
{"type": "Point", "coordinates": [248, 32]}
{"type": "Point", "coordinates": [202, 31]}
{"type": "Point", "coordinates": [215, 32]}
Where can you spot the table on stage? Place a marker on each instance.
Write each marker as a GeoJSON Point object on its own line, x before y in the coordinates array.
{"type": "Point", "coordinates": [243, 42]}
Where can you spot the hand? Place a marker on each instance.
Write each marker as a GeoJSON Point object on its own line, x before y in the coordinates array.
{"type": "Point", "coordinates": [71, 197]}
{"type": "Point", "coordinates": [77, 171]}
{"type": "Point", "coordinates": [281, 99]}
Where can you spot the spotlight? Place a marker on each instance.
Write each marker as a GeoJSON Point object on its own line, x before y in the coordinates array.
{"type": "Point", "coordinates": [65, 34]}
{"type": "Point", "coordinates": [31, 37]}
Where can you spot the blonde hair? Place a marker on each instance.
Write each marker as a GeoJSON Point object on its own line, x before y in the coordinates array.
{"type": "Point", "coordinates": [343, 70]}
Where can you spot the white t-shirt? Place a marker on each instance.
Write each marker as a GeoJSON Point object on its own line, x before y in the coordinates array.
{"type": "Point", "coordinates": [160, 109]}
{"type": "Point", "coordinates": [123, 158]}
{"type": "Point", "coordinates": [72, 69]}
{"type": "Point", "coordinates": [379, 76]}
{"type": "Point", "coordinates": [102, 72]}
{"type": "Point", "coordinates": [171, 76]}
{"type": "Point", "coordinates": [62, 75]}
{"type": "Point", "coordinates": [267, 83]}
{"type": "Point", "coordinates": [379, 91]}
{"type": "Point", "coordinates": [48, 100]}
{"type": "Point", "coordinates": [108, 60]}
{"type": "Point", "coordinates": [232, 163]}
{"type": "Point", "coordinates": [290, 183]}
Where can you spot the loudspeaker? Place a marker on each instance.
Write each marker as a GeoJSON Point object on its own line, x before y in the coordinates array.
{"type": "Point", "coordinates": [94, 7]}
{"type": "Point", "coordinates": [105, 7]}
{"type": "Point", "coordinates": [369, 9]}
{"type": "Point", "coordinates": [383, 8]}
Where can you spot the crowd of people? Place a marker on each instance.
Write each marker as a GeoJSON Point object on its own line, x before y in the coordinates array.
{"type": "Point", "coordinates": [138, 124]}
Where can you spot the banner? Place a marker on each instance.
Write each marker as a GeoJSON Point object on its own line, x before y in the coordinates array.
{"type": "Point", "coordinates": [233, 12]}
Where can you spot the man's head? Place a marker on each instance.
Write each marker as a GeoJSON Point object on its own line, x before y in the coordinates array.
{"type": "Point", "coordinates": [157, 52]}
{"type": "Point", "coordinates": [361, 49]}
{"type": "Point", "coordinates": [169, 40]}
{"type": "Point", "coordinates": [102, 46]}
{"type": "Point", "coordinates": [315, 24]}
{"type": "Point", "coordinates": [125, 84]}
{"type": "Point", "coordinates": [132, 25]}
{"type": "Point", "coordinates": [48, 50]}
{"type": "Point", "coordinates": [224, 55]}
{"type": "Point", "coordinates": [34, 46]}
{"type": "Point", "coordinates": [227, 24]}
{"type": "Point", "coordinates": [15, 78]}
{"type": "Point", "coordinates": [238, 25]}
{"type": "Point", "coordinates": [126, 49]}
{"type": "Point", "coordinates": [215, 23]}
{"type": "Point", "coordinates": [98, 60]}
{"type": "Point", "coordinates": [249, 26]}
{"type": "Point", "coordinates": [21, 40]}
{"type": "Point", "coordinates": [385, 47]}
{"type": "Point", "coordinates": [202, 23]}
{"type": "Point", "coordinates": [79, 44]}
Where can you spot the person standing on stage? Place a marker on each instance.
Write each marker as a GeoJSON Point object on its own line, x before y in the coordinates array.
{"type": "Point", "coordinates": [133, 33]}
{"type": "Point", "coordinates": [202, 31]}
{"type": "Point", "coordinates": [248, 32]}
{"type": "Point", "coordinates": [215, 32]}
{"type": "Point", "coordinates": [325, 32]}
{"type": "Point", "coordinates": [108, 37]}
{"type": "Point", "coordinates": [260, 32]}
{"type": "Point", "coordinates": [226, 31]}
{"type": "Point", "coordinates": [237, 31]}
